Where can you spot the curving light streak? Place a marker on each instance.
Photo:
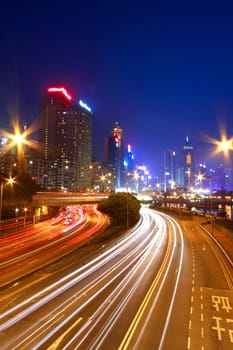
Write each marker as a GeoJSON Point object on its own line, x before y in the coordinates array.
{"type": "Point", "coordinates": [176, 227]}
{"type": "Point", "coordinates": [132, 262]}
{"type": "Point", "coordinates": [129, 292]}
{"type": "Point", "coordinates": [151, 251]}
{"type": "Point", "coordinates": [144, 304]}
{"type": "Point", "coordinates": [31, 239]}
{"type": "Point", "coordinates": [52, 295]}
{"type": "Point", "coordinates": [135, 255]}
{"type": "Point", "coordinates": [90, 267]}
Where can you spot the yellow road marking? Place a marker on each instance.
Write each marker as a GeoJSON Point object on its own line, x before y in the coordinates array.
{"type": "Point", "coordinates": [59, 340]}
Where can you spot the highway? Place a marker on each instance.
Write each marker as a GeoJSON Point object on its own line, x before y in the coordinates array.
{"type": "Point", "coordinates": [159, 286]}
{"type": "Point", "coordinates": [45, 242]}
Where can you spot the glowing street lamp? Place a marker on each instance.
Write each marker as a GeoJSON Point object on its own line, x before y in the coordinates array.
{"type": "Point", "coordinates": [18, 139]}
{"type": "Point", "coordinates": [9, 181]}
{"type": "Point", "coordinates": [200, 177]}
{"type": "Point", "coordinates": [224, 145]}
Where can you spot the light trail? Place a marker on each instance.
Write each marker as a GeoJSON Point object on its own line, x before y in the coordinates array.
{"type": "Point", "coordinates": [157, 285]}
{"type": "Point", "coordinates": [126, 263]}
{"type": "Point", "coordinates": [52, 295]}
{"type": "Point", "coordinates": [72, 279]}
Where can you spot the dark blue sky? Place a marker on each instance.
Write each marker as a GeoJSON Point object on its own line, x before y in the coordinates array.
{"type": "Point", "coordinates": [162, 69]}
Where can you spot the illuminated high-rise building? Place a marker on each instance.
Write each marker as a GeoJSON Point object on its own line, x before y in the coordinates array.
{"type": "Point", "coordinates": [65, 139]}
{"type": "Point", "coordinates": [169, 169]}
{"type": "Point", "coordinates": [115, 154]}
{"type": "Point", "coordinates": [52, 105]}
{"type": "Point", "coordinates": [129, 163]}
{"type": "Point", "coordinates": [188, 164]}
{"type": "Point", "coordinates": [79, 145]}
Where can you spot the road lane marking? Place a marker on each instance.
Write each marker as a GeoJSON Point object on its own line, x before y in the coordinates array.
{"type": "Point", "coordinates": [132, 328]}
{"type": "Point", "coordinates": [202, 332]}
{"type": "Point", "coordinates": [59, 340]}
{"type": "Point", "coordinates": [188, 345]}
{"type": "Point", "coordinates": [28, 285]}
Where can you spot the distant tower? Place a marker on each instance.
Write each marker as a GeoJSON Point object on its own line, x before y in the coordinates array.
{"type": "Point", "coordinates": [79, 144]}
{"type": "Point", "coordinates": [129, 160]}
{"type": "Point", "coordinates": [188, 164]}
{"type": "Point", "coordinates": [115, 154]}
{"type": "Point", "coordinates": [169, 169]}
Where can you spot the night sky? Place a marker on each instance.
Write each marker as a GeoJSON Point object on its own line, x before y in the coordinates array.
{"type": "Point", "coordinates": [162, 69]}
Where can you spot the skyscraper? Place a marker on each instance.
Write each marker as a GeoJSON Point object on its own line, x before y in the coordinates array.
{"type": "Point", "coordinates": [188, 164]}
{"type": "Point", "coordinates": [65, 139]}
{"type": "Point", "coordinates": [52, 105]}
{"type": "Point", "coordinates": [169, 169]}
{"type": "Point", "coordinates": [129, 163]}
{"type": "Point", "coordinates": [115, 154]}
{"type": "Point", "coordinates": [79, 144]}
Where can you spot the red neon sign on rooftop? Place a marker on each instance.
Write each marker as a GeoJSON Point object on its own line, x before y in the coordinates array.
{"type": "Point", "coordinates": [60, 89]}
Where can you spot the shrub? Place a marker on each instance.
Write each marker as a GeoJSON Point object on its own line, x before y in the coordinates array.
{"type": "Point", "coordinates": [122, 209]}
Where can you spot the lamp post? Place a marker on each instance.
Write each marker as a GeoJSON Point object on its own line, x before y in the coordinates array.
{"type": "Point", "coordinates": [19, 140]}
{"type": "Point", "coordinates": [225, 146]}
{"type": "Point", "coordinates": [9, 181]}
{"type": "Point", "coordinates": [200, 177]}
{"type": "Point", "coordinates": [1, 201]}
{"type": "Point", "coordinates": [127, 204]}
{"type": "Point", "coordinates": [211, 204]}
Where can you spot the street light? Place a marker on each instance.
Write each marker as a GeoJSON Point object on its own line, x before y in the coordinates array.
{"type": "Point", "coordinates": [225, 145]}
{"type": "Point", "coordinates": [20, 140]}
{"type": "Point", "coordinates": [136, 178]}
{"type": "Point", "coordinates": [200, 177]}
{"type": "Point", "coordinates": [211, 203]}
{"type": "Point", "coordinates": [9, 181]}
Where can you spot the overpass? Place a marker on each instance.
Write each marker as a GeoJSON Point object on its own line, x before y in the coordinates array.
{"type": "Point", "coordinates": [64, 198]}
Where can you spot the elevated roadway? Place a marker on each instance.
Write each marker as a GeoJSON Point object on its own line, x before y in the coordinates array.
{"type": "Point", "coordinates": [62, 198]}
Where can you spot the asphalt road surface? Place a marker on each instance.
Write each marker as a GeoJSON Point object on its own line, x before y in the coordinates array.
{"type": "Point", "coordinates": [159, 286]}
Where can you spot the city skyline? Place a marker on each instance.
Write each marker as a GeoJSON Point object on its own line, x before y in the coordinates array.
{"type": "Point", "coordinates": [163, 71]}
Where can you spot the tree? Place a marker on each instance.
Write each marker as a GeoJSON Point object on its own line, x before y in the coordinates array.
{"type": "Point", "coordinates": [122, 209]}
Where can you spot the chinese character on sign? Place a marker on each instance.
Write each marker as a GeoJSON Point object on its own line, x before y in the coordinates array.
{"type": "Point", "coordinates": [230, 330]}
{"type": "Point", "coordinates": [218, 328]}
{"type": "Point", "coordinates": [221, 303]}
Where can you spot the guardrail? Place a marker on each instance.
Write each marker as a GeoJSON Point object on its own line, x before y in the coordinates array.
{"type": "Point", "coordinates": [15, 224]}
